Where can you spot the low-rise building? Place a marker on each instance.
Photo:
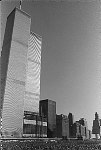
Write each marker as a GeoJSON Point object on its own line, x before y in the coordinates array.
{"type": "Point", "coordinates": [34, 125]}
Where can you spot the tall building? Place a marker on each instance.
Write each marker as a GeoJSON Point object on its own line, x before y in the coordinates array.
{"type": "Point", "coordinates": [70, 117]}
{"type": "Point", "coordinates": [47, 108]}
{"type": "Point", "coordinates": [13, 71]}
{"type": "Point", "coordinates": [83, 123]}
{"type": "Point", "coordinates": [62, 126]}
{"type": "Point", "coordinates": [96, 126]}
{"type": "Point", "coordinates": [76, 130]}
{"type": "Point", "coordinates": [32, 87]}
{"type": "Point", "coordinates": [20, 72]}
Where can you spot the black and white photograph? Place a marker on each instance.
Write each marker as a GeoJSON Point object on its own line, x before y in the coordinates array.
{"type": "Point", "coordinates": [50, 75]}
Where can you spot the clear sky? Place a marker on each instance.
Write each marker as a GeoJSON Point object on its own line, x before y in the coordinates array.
{"type": "Point", "coordinates": [71, 52]}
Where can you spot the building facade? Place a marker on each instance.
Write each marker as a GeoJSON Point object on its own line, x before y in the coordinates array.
{"type": "Point", "coordinates": [29, 124]}
{"type": "Point", "coordinates": [76, 130]}
{"type": "Point", "coordinates": [62, 126]}
{"type": "Point", "coordinates": [34, 125]}
{"type": "Point", "coordinates": [20, 73]}
{"type": "Point", "coordinates": [13, 70]}
{"type": "Point", "coordinates": [96, 126]}
{"type": "Point", "coordinates": [33, 69]}
{"type": "Point", "coordinates": [70, 117]}
{"type": "Point", "coordinates": [47, 108]}
{"type": "Point", "coordinates": [80, 129]}
{"type": "Point", "coordinates": [84, 128]}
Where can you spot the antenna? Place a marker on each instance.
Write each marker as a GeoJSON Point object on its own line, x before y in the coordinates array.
{"type": "Point", "coordinates": [20, 4]}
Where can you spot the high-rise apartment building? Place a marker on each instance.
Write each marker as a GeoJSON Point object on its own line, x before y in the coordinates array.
{"type": "Point", "coordinates": [20, 72]}
{"type": "Point", "coordinates": [47, 108]}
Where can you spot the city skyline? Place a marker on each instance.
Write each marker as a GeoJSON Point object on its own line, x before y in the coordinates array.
{"type": "Point", "coordinates": [70, 72]}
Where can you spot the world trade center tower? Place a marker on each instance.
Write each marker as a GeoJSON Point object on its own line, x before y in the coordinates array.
{"type": "Point", "coordinates": [20, 73]}
{"type": "Point", "coordinates": [33, 69]}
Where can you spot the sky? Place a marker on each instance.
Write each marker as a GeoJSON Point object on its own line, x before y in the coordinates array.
{"type": "Point", "coordinates": [71, 52]}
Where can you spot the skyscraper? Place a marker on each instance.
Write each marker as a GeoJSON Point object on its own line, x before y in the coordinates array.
{"type": "Point", "coordinates": [20, 72]}
{"type": "Point", "coordinates": [70, 117]}
{"type": "Point", "coordinates": [13, 70]}
{"type": "Point", "coordinates": [47, 108]}
{"type": "Point", "coordinates": [32, 87]}
{"type": "Point", "coordinates": [96, 126]}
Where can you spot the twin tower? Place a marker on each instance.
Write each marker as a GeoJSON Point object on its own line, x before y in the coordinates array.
{"type": "Point", "coordinates": [20, 72]}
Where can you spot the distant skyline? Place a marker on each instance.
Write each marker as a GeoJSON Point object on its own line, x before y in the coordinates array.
{"type": "Point", "coordinates": [71, 53]}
